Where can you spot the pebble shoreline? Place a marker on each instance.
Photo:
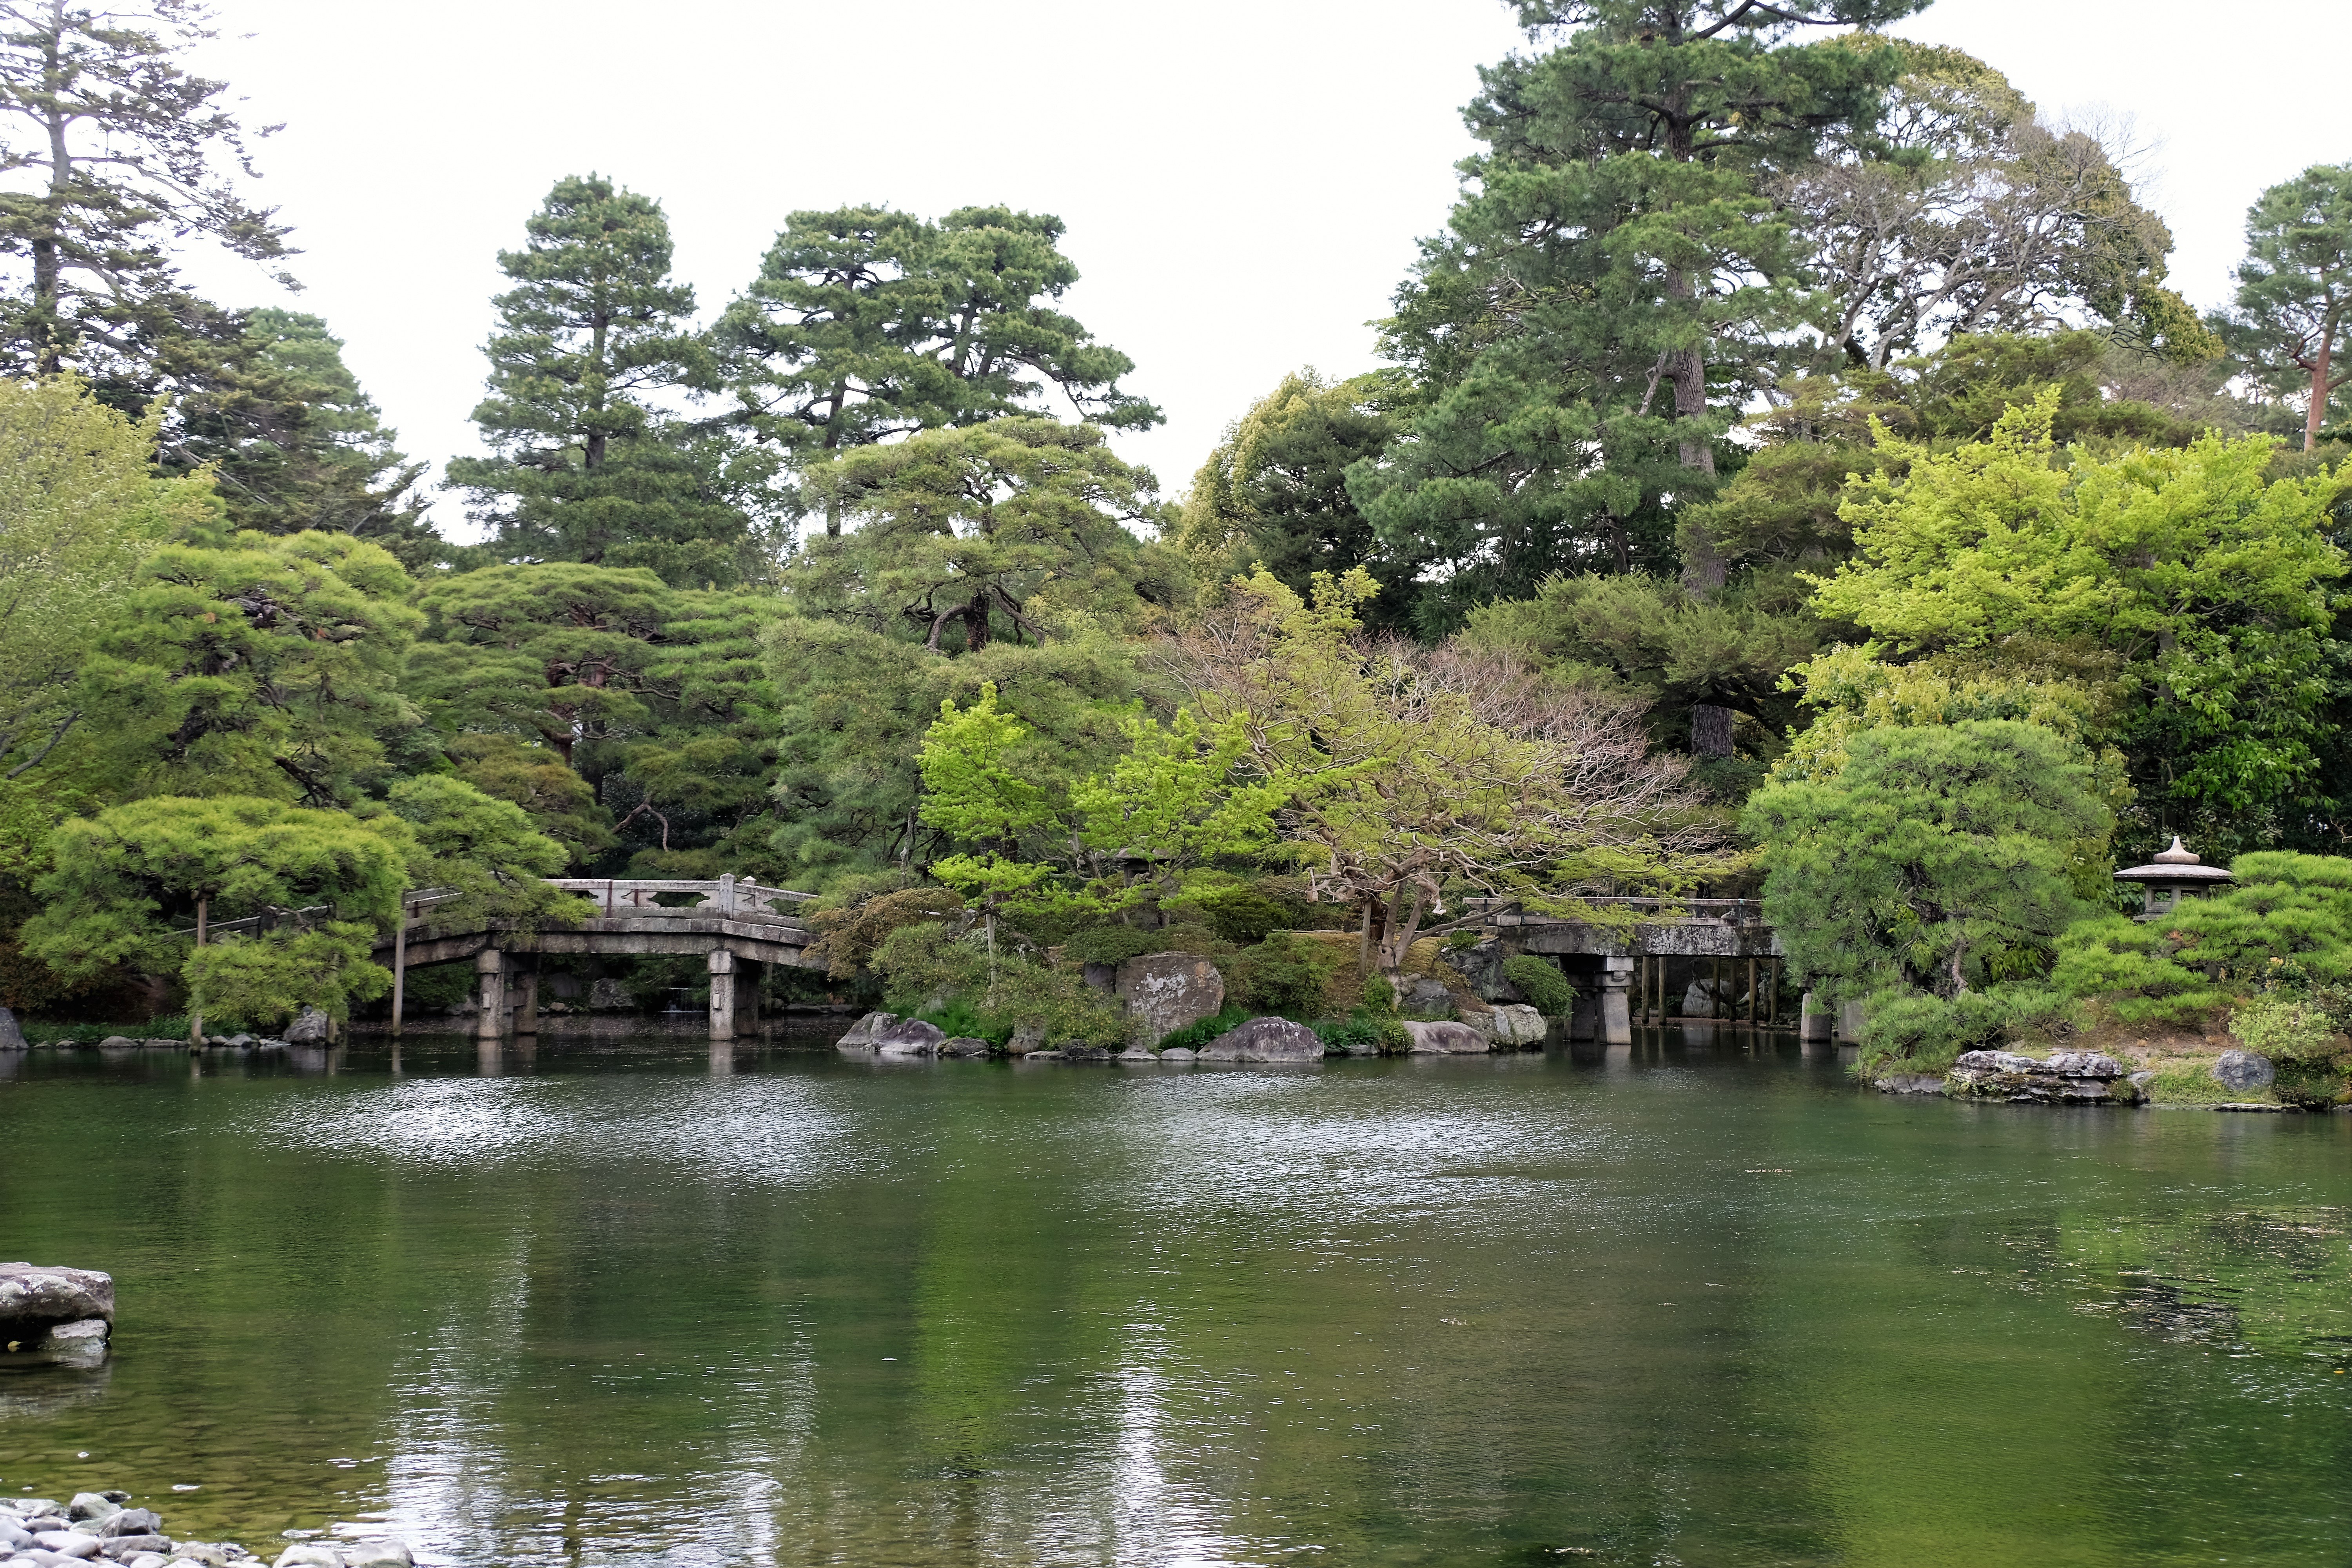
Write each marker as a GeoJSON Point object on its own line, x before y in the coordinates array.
{"type": "Point", "coordinates": [42, 1532]}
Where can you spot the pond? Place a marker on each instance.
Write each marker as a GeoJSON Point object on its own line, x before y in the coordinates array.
{"type": "Point", "coordinates": [624, 1301]}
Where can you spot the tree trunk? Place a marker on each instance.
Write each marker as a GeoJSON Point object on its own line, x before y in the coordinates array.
{"type": "Point", "coordinates": [975, 623]}
{"type": "Point", "coordinates": [2319, 387]}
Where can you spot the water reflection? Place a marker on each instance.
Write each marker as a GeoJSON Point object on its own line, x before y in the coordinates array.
{"type": "Point", "coordinates": [1691, 1301]}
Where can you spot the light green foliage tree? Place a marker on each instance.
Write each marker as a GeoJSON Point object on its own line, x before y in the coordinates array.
{"type": "Point", "coordinates": [1155, 825]}
{"type": "Point", "coordinates": [79, 506]}
{"type": "Point", "coordinates": [119, 153]}
{"type": "Point", "coordinates": [2204, 582]}
{"type": "Point", "coordinates": [1274, 492]}
{"type": "Point", "coordinates": [976, 792]}
{"type": "Point", "coordinates": [1413, 779]}
{"type": "Point", "coordinates": [1937, 862]}
{"type": "Point", "coordinates": [267, 666]}
{"type": "Point", "coordinates": [531, 775]}
{"type": "Point", "coordinates": [2294, 290]}
{"type": "Point", "coordinates": [1610, 290]}
{"type": "Point", "coordinates": [865, 324]}
{"type": "Point", "coordinates": [121, 885]}
{"type": "Point", "coordinates": [294, 444]}
{"type": "Point", "coordinates": [594, 343]}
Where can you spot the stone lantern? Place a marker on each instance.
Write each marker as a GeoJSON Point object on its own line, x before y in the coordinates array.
{"type": "Point", "coordinates": [2174, 874]}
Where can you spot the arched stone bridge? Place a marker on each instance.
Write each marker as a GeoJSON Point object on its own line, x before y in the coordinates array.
{"type": "Point", "coordinates": [737, 925]}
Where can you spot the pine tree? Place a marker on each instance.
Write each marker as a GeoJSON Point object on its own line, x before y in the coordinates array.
{"type": "Point", "coordinates": [593, 461]}
{"type": "Point", "coordinates": [1608, 295]}
{"type": "Point", "coordinates": [125, 152]}
{"type": "Point", "coordinates": [2294, 290]}
{"type": "Point", "coordinates": [866, 324]}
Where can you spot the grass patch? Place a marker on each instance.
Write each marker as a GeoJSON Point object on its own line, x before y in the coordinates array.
{"type": "Point", "coordinates": [1195, 1035]}
{"type": "Point", "coordinates": [2191, 1081]}
{"type": "Point", "coordinates": [959, 1020]}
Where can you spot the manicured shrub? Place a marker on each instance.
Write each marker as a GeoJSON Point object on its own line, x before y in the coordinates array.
{"type": "Point", "coordinates": [1539, 980]}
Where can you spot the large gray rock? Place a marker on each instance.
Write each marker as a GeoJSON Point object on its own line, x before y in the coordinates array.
{"type": "Point", "coordinates": [33, 1300]}
{"type": "Point", "coordinates": [94, 1505]}
{"type": "Point", "coordinates": [862, 1034]}
{"type": "Point", "coordinates": [309, 1554]}
{"type": "Point", "coordinates": [1166, 991]}
{"type": "Point", "coordinates": [909, 1038]}
{"type": "Point", "coordinates": [2066, 1077]}
{"type": "Point", "coordinates": [2243, 1070]}
{"type": "Point", "coordinates": [1516, 1024]}
{"type": "Point", "coordinates": [67, 1543]}
{"type": "Point", "coordinates": [964, 1045]}
{"type": "Point", "coordinates": [12, 1039]}
{"type": "Point", "coordinates": [1027, 1036]}
{"type": "Point", "coordinates": [309, 1028]}
{"type": "Point", "coordinates": [1424, 993]}
{"type": "Point", "coordinates": [1446, 1040]}
{"type": "Point", "coordinates": [376, 1552]}
{"type": "Point", "coordinates": [1482, 966]}
{"type": "Point", "coordinates": [1266, 1040]}
{"type": "Point", "coordinates": [129, 1521]}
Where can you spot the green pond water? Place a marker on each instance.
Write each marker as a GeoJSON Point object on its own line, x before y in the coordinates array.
{"type": "Point", "coordinates": [1699, 1302]}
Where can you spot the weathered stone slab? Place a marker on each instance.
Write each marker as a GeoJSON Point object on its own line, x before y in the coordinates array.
{"type": "Point", "coordinates": [1447, 1040]}
{"type": "Point", "coordinates": [909, 1038]}
{"type": "Point", "coordinates": [12, 1038]}
{"type": "Point", "coordinates": [36, 1300]}
{"type": "Point", "coordinates": [862, 1034]}
{"type": "Point", "coordinates": [2065, 1078]}
{"type": "Point", "coordinates": [1517, 1024]}
{"type": "Point", "coordinates": [1266, 1040]}
{"type": "Point", "coordinates": [1166, 991]}
{"type": "Point", "coordinates": [964, 1045]}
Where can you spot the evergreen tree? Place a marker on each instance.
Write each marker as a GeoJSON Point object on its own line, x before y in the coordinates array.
{"type": "Point", "coordinates": [296, 446]}
{"type": "Point", "coordinates": [592, 463]}
{"type": "Point", "coordinates": [121, 152]}
{"type": "Point", "coordinates": [2294, 290]}
{"type": "Point", "coordinates": [1608, 293]}
{"type": "Point", "coordinates": [866, 324]}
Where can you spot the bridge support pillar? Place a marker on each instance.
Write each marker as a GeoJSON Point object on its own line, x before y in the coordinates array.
{"type": "Point", "coordinates": [722, 994]}
{"type": "Point", "coordinates": [526, 1014]}
{"type": "Point", "coordinates": [490, 1023]}
{"type": "Point", "coordinates": [1616, 1009]}
{"type": "Point", "coordinates": [1814, 1021]}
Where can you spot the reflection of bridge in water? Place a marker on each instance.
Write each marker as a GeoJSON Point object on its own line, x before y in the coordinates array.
{"type": "Point", "coordinates": [736, 925]}
{"type": "Point", "coordinates": [1720, 948]}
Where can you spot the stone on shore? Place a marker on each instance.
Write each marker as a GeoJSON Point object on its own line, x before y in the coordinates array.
{"type": "Point", "coordinates": [118, 1043]}
{"type": "Point", "coordinates": [1264, 1041]}
{"type": "Point", "coordinates": [309, 1028]}
{"type": "Point", "coordinates": [964, 1045]}
{"type": "Point", "coordinates": [12, 1038]}
{"type": "Point", "coordinates": [376, 1552]}
{"type": "Point", "coordinates": [1179, 1054]}
{"type": "Point", "coordinates": [35, 1302]}
{"type": "Point", "coordinates": [129, 1522]}
{"type": "Point", "coordinates": [1516, 1024]}
{"type": "Point", "coordinates": [1165, 991]}
{"type": "Point", "coordinates": [2243, 1070]}
{"type": "Point", "coordinates": [861, 1034]}
{"type": "Point", "coordinates": [2066, 1077]}
{"type": "Point", "coordinates": [909, 1038]}
{"type": "Point", "coordinates": [1910, 1083]}
{"type": "Point", "coordinates": [308, 1555]}
{"type": "Point", "coordinates": [96, 1505]}
{"type": "Point", "coordinates": [1446, 1040]}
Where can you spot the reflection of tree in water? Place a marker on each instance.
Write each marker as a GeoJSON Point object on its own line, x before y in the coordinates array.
{"type": "Point", "coordinates": [2275, 1280]}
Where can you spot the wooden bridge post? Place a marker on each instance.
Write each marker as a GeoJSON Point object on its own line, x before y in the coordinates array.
{"type": "Point", "coordinates": [399, 965]}
{"type": "Point", "coordinates": [722, 994]}
{"type": "Point", "coordinates": [490, 965]}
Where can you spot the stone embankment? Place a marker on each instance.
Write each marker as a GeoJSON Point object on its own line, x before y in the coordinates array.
{"type": "Point", "coordinates": [101, 1527]}
{"type": "Point", "coordinates": [2233, 1080]}
{"type": "Point", "coordinates": [1267, 1039]}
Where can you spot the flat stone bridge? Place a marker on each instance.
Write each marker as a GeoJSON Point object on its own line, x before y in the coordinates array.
{"type": "Point", "coordinates": [737, 925]}
{"type": "Point", "coordinates": [1725, 941]}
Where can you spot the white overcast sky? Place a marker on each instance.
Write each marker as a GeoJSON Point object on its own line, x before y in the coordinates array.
{"type": "Point", "coordinates": [1243, 180]}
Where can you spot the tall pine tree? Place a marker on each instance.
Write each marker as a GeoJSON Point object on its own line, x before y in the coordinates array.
{"type": "Point", "coordinates": [593, 459]}
{"type": "Point", "coordinates": [866, 324]}
{"type": "Point", "coordinates": [1607, 296]}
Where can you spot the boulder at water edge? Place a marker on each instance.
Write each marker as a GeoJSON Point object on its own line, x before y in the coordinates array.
{"type": "Point", "coordinates": [50, 1309]}
{"type": "Point", "coordinates": [1266, 1040]}
{"type": "Point", "coordinates": [309, 1028]}
{"type": "Point", "coordinates": [1445, 1040]}
{"type": "Point", "coordinates": [2243, 1070]}
{"type": "Point", "coordinates": [12, 1039]}
{"type": "Point", "coordinates": [964, 1045]}
{"type": "Point", "coordinates": [1165, 991]}
{"type": "Point", "coordinates": [2065, 1077]}
{"type": "Point", "coordinates": [1515, 1024]}
{"type": "Point", "coordinates": [861, 1034]}
{"type": "Point", "coordinates": [909, 1038]}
